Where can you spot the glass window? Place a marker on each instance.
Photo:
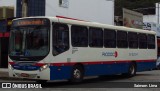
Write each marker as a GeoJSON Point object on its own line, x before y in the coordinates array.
{"type": "Point", "coordinates": [109, 38]}
{"type": "Point", "coordinates": [142, 41]}
{"type": "Point", "coordinates": [122, 39]}
{"type": "Point", "coordinates": [19, 8]}
{"type": "Point", "coordinates": [151, 41]}
{"type": "Point", "coordinates": [3, 25]}
{"type": "Point", "coordinates": [35, 8]}
{"type": "Point", "coordinates": [79, 36]}
{"type": "Point", "coordinates": [133, 40]}
{"type": "Point", "coordinates": [29, 41]}
{"type": "Point", "coordinates": [60, 38]}
{"type": "Point", "coordinates": [95, 37]}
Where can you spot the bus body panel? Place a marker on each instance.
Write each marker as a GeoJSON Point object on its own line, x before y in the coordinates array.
{"type": "Point", "coordinates": [96, 61]}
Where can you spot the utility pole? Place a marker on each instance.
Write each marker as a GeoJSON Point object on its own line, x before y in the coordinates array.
{"type": "Point", "coordinates": [157, 7]}
{"type": "Point", "coordinates": [24, 8]}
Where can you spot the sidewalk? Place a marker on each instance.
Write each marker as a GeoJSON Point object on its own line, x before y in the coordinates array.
{"type": "Point", "coordinates": [4, 76]}
{"type": "Point", "coordinates": [3, 73]}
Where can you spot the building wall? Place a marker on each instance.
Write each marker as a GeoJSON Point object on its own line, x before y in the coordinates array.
{"type": "Point", "coordinates": [149, 18]}
{"type": "Point", "coordinates": [90, 10]}
{"type": "Point", "coordinates": [1, 11]}
{"type": "Point", "coordinates": [6, 12]}
{"type": "Point", "coordinates": [11, 3]}
{"type": "Point", "coordinates": [154, 18]}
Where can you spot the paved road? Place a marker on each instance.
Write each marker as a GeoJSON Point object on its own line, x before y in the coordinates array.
{"type": "Point", "coordinates": [98, 83]}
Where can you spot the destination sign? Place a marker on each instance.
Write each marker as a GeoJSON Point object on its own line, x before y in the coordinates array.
{"type": "Point", "coordinates": [25, 22]}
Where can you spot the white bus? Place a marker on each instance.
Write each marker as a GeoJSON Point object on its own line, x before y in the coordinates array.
{"type": "Point", "coordinates": [54, 48]}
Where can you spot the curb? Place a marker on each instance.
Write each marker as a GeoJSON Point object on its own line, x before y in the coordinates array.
{"type": "Point", "coordinates": [3, 69]}
{"type": "Point", "coordinates": [4, 73]}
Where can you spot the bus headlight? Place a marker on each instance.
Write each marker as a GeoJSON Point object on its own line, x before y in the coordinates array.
{"type": "Point", "coordinates": [10, 67]}
{"type": "Point", "coordinates": [44, 67]}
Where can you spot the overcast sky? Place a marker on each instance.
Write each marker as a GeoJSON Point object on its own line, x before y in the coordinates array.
{"type": "Point", "coordinates": [7, 2]}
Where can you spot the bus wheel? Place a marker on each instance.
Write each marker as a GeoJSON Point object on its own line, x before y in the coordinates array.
{"type": "Point", "coordinates": [131, 71]}
{"type": "Point", "coordinates": [77, 74]}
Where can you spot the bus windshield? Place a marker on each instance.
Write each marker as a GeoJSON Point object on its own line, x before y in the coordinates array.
{"type": "Point", "coordinates": [29, 42]}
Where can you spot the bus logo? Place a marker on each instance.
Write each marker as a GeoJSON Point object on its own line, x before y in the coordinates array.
{"type": "Point", "coordinates": [114, 54]}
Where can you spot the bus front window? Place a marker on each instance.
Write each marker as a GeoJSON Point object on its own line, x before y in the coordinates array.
{"type": "Point", "coordinates": [29, 42]}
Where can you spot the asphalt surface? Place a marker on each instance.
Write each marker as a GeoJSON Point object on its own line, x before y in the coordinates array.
{"type": "Point", "coordinates": [104, 83]}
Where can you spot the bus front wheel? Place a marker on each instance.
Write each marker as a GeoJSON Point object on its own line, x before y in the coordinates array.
{"type": "Point", "coordinates": [77, 74]}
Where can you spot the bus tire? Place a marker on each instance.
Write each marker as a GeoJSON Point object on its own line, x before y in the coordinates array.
{"type": "Point", "coordinates": [131, 71]}
{"type": "Point", "coordinates": [77, 74]}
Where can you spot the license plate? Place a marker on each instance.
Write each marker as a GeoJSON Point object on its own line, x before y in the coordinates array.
{"type": "Point", "coordinates": [24, 75]}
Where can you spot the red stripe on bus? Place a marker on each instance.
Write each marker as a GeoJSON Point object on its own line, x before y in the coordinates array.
{"type": "Point", "coordinates": [69, 18]}
{"type": "Point", "coordinates": [1, 34]}
{"type": "Point", "coordinates": [146, 60]}
{"type": "Point", "coordinates": [40, 64]}
{"type": "Point", "coordinates": [11, 63]}
{"type": "Point", "coordinates": [6, 34]}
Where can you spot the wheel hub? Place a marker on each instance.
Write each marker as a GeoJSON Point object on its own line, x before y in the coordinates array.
{"type": "Point", "coordinates": [77, 74]}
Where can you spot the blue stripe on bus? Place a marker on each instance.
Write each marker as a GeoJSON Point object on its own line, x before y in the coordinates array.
{"type": "Point", "coordinates": [64, 72]}
{"type": "Point", "coordinates": [25, 67]}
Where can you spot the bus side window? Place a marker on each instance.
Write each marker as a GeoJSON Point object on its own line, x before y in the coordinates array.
{"type": "Point", "coordinates": [109, 38]}
{"type": "Point", "coordinates": [79, 36]}
{"type": "Point", "coordinates": [95, 37]}
{"type": "Point", "coordinates": [133, 40]}
{"type": "Point", "coordinates": [142, 41]}
{"type": "Point", "coordinates": [122, 41]}
{"type": "Point", "coordinates": [151, 41]}
{"type": "Point", "coordinates": [60, 38]}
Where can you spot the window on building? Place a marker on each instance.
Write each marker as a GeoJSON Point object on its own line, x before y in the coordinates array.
{"type": "Point", "coordinates": [64, 3]}
{"type": "Point", "coordinates": [109, 38]}
{"type": "Point", "coordinates": [3, 25]}
{"type": "Point", "coordinates": [142, 41]}
{"type": "Point", "coordinates": [151, 41]}
{"type": "Point", "coordinates": [122, 39]}
{"type": "Point", "coordinates": [60, 2]}
{"type": "Point", "coordinates": [79, 36]}
{"type": "Point", "coordinates": [19, 8]}
{"type": "Point", "coordinates": [35, 8]}
{"type": "Point", "coordinates": [60, 38]}
{"type": "Point", "coordinates": [133, 40]}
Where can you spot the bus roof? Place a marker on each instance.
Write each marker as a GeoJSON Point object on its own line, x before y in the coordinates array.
{"type": "Point", "coordinates": [93, 24]}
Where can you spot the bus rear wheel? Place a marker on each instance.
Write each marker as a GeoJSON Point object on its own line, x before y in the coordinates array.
{"type": "Point", "coordinates": [77, 74]}
{"type": "Point", "coordinates": [131, 71]}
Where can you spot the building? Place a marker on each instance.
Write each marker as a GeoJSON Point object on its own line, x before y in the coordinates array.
{"type": "Point", "coordinates": [153, 14]}
{"type": "Point", "coordinates": [89, 10]}
{"type": "Point", "coordinates": [6, 12]}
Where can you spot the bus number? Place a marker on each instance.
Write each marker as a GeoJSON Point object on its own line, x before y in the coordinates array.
{"type": "Point", "coordinates": [133, 54]}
